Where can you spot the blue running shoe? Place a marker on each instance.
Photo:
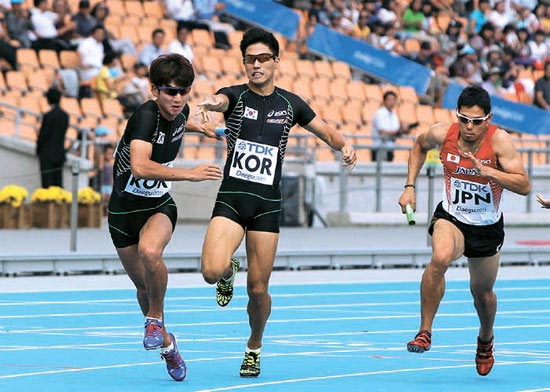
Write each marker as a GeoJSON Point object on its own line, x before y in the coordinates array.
{"type": "Point", "coordinates": [174, 362]}
{"type": "Point", "coordinates": [153, 334]}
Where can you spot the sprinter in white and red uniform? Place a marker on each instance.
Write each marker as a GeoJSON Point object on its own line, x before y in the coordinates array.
{"type": "Point", "coordinates": [259, 117]}
{"type": "Point", "coordinates": [479, 162]}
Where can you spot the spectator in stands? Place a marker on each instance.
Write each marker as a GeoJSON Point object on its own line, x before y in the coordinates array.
{"type": "Point", "coordinates": [389, 13]}
{"type": "Point", "coordinates": [180, 10]}
{"type": "Point", "coordinates": [180, 46]}
{"type": "Point", "coordinates": [318, 13]}
{"type": "Point", "coordinates": [64, 25]}
{"type": "Point", "coordinates": [539, 49]}
{"type": "Point", "coordinates": [50, 145]}
{"type": "Point", "coordinates": [493, 83]}
{"type": "Point", "coordinates": [500, 16]}
{"type": "Point", "coordinates": [542, 89]}
{"type": "Point", "coordinates": [91, 52]}
{"type": "Point", "coordinates": [83, 19]}
{"type": "Point", "coordinates": [45, 32]}
{"type": "Point", "coordinates": [211, 14]}
{"type": "Point", "coordinates": [154, 49]}
{"type": "Point", "coordinates": [386, 127]}
{"type": "Point", "coordinates": [509, 70]}
{"type": "Point", "coordinates": [137, 90]}
{"type": "Point", "coordinates": [413, 21]}
{"type": "Point", "coordinates": [523, 49]}
{"type": "Point", "coordinates": [8, 53]}
{"type": "Point", "coordinates": [542, 13]}
{"type": "Point", "coordinates": [100, 11]}
{"type": "Point", "coordinates": [466, 68]}
{"type": "Point", "coordinates": [449, 41]}
{"type": "Point", "coordinates": [110, 78]}
{"type": "Point", "coordinates": [361, 30]}
{"type": "Point", "coordinates": [380, 38]}
{"type": "Point", "coordinates": [526, 18]}
{"type": "Point", "coordinates": [478, 17]}
{"type": "Point", "coordinates": [18, 24]}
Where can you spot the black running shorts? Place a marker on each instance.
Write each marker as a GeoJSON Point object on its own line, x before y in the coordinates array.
{"type": "Point", "coordinates": [127, 217]}
{"type": "Point", "coordinates": [255, 207]}
{"type": "Point", "coordinates": [479, 241]}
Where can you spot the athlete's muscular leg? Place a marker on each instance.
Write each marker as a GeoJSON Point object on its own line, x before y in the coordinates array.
{"type": "Point", "coordinates": [447, 246]}
{"type": "Point", "coordinates": [136, 272]}
{"type": "Point", "coordinates": [483, 274]}
{"type": "Point", "coordinates": [145, 267]}
{"type": "Point", "coordinates": [222, 239]}
{"type": "Point", "coordinates": [260, 249]}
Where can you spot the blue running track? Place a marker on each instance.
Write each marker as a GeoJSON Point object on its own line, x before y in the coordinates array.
{"type": "Point", "coordinates": [335, 337]}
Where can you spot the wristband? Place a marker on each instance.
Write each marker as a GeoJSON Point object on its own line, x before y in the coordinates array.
{"type": "Point", "coordinates": [410, 186]}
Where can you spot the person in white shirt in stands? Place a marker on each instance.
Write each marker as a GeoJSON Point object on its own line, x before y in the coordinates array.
{"type": "Point", "coordinates": [154, 49]}
{"type": "Point", "coordinates": [386, 127]}
{"type": "Point", "coordinates": [180, 46]}
{"type": "Point", "coordinates": [91, 53]}
{"type": "Point", "coordinates": [43, 21]}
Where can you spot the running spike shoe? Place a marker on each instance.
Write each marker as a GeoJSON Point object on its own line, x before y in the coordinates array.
{"type": "Point", "coordinates": [422, 342]}
{"type": "Point", "coordinates": [484, 357]}
{"type": "Point", "coordinates": [251, 365]}
{"type": "Point", "coordinates": [153, 334]}
{"type": "Point", "coordinates": [224, 289]}
{"type": "Point", "coordinates": [174, 362]}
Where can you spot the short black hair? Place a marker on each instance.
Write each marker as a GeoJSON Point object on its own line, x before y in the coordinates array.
{"type": "Point", "coordinates": [474, 96]}
{"type": "Point", "coordinates": [256, 35]}
{"type": "Point", "coordinates": [388, 93]}
{"type": "Point", "coordinates": [171, 68]}
{"type": "Point", "coordinates": [53, 95]}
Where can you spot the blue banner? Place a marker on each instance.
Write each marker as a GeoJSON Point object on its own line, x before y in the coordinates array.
{"type": "Point", "coordinates": [376, 62]}
{"type": "Point", "coordinates": [266, 13]}
{"type": "Point", "coordinates": [507, 114]}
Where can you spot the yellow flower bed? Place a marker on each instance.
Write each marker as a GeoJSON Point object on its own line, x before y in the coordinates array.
{"type": "Point", "coordinates": [13, 195]}
{"type": "Point", "coordinates": [88, 196]}
{"type": "Point", "coordinates": [52, 194]}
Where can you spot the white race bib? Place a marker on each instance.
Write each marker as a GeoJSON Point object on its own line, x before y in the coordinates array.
{"type": "Point", "coordinates": [471, 198]}
{"type": "Point", "coordinates": [148, 188]}
{"type": "Point", "coordinates": [254, 162]}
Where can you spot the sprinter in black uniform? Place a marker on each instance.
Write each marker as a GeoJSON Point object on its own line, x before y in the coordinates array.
{"type": "Point", "coordinates": [258, 117]}
{"type": "Point", "coordinates": [142, 214]}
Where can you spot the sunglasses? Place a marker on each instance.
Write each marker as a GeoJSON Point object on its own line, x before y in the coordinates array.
{"type": "Point", "coordinates": [262, 58]}
{"type": "Point", "coordinates": [173, 91]}
{"type": "Point", "coordinates": [476, 120]}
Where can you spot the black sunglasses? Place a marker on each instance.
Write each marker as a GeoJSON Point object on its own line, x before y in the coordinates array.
{"type": "Point", "coordinates": [476, 120]}
{"type": "Point", "coordinates": [173, 91]}
{"type": "Point", "coordinates": [262, 58]}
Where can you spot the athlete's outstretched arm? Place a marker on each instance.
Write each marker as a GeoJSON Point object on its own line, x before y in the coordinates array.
{"type": "Point", "coordinates": [207, 128]}
{"type": "Point", "coordinates": [334, 139]}
{"type": "Point", "coordinates": [145, 168]}
{"type": "Point", "coordinates": [511, 174]}
{"type": "Point", "coordinates": [214, 103]}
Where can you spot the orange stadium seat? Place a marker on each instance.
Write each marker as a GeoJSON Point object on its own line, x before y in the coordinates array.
{"type": "Point", "coordinates": [407, 112]}
{"type": "Point", "coordinates": [441, 115]}
{"type": "Point", "coordinates": [16, 80]}
{"type": "Point", "coordinates": [134, 7]}
{"type": "Point", "coordinates": [355, 90]}
{"type": "Point", "coordinates": [27, 57]}
{"type": "Point", "coordinates": [91, 107]}
{"type": "Point", "coordinates": [48, 58]}
{"type": "Point", "coordinates": [69, 59]}
{"type": "Point", "coordinates": [302, 87]}
{"type": "Point", "coordinates": [288, 68]}
{"type": "Point", "coordinates": [407, 94]}
{"type": "Point", "coordinates": [341, 70]}
{"type": "Point", "coordinates": [305, 68]}
{"type": "Point", "coordinates": [373, 92]}
{"type": "Point", "coordinates": [153, 9]}
{"type": "Point", "coordinates": [338, 90]}
{"type": "Point", "coordinates": [425, 113]}
{"type": "Point", "coordinates": [72, 107]}
{"type": "Point", "coordinates": [323, 69]}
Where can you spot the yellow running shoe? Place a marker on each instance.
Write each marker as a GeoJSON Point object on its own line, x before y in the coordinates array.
{"type": "Point", "coordinates": [224, 289]}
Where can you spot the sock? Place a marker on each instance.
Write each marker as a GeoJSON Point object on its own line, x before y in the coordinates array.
{"type": "Point", "coordinates": [485, 342]}
{"type": "Point", "coordinates": [153, 318]}
{"type": "Point", "coordinates": [249, 350]}
{"type": "Point", "coordinates": [229, 279]}
{"type": "Point", "coordinates": [166, 350]}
